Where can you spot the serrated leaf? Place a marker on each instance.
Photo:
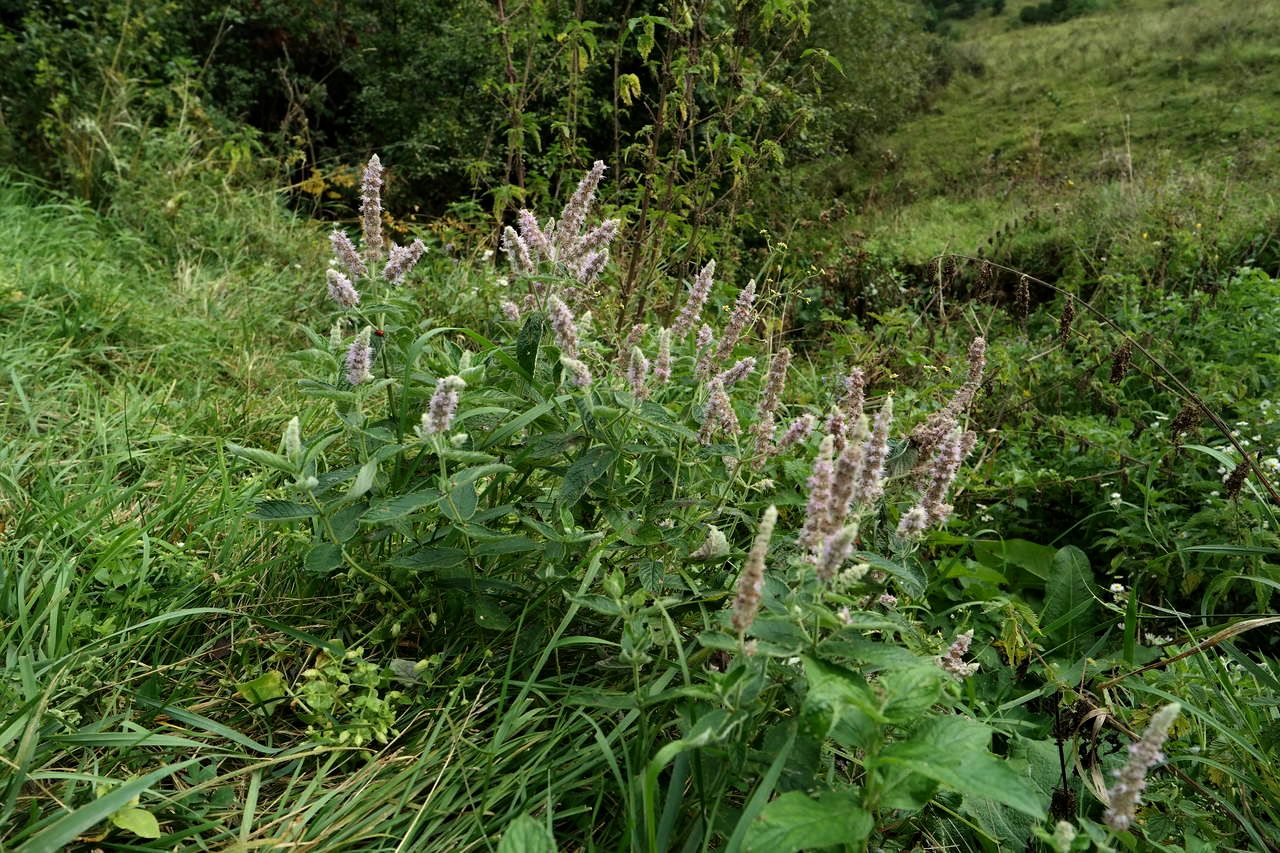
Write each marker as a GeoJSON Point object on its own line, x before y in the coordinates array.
{"type": "Point", "coordinates": [139, 821]}
{"type": "Point", "coordinates": [431, 558]}
{"type": "Point", "coordinates": [796, 821]}
{"type": "Point", "coordinates": [322, 558]}
{"type": "Point", "coordinates": [460, 503]}
{"type": "Point", "coordinates": [390, 509]}
{"type": "Point", "coordinates": [527, 342]}
{"type": "Point", "coordinates": [526, 835]}
{"type": "Point", "coordinates": [953, 750]}
{"type": "Point", "coordinates": [911, 579]}
{"type": "Point", "coordinates": [506, 545]}
{"type": "Point", "coordinates": [585, 470]}
{"type": "Point", "coordinates": [278, 510]}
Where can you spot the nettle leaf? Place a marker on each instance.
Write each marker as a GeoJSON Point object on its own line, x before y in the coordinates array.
{"type": "Point", "coordinates": [278, 510]}
{"type": "Point", "coordinates": [953, 750]}
{"type": "Point", "coordinates": [526, 835]}
{"type": "Point", "coordinates": [796, 821]}
{"type": "Point", "coordinates": [588, 468]}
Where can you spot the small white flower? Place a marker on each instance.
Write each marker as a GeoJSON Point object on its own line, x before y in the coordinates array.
{"type": "Point", "coordinates": [1117, 589]}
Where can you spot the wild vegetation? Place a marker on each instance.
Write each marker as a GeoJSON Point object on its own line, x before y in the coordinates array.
{"type": "Point", "coordinates": [658, 426]}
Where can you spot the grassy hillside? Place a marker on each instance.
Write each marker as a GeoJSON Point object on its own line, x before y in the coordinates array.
{"type": "Point", "coordinates": [1145, 116]}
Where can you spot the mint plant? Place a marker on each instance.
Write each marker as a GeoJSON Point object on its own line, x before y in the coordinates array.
{"type": "Point", "coordinates": [452, 476]}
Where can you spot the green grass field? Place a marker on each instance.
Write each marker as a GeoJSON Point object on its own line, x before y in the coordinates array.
{"type": "Point", "coordinates": [163, 653]}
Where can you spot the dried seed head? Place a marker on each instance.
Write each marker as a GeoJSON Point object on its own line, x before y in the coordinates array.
{"type": "Point", "coordinates": [1187, 419]}
{"type": "Point", "coordinates": [1235, 480]}
{"type": "Point", "coordinates": [746, 604]}
{"type": "Point", "coordinates": [1067, 317]}
{"type": "Point", "coordinates": [1022, 299]}
{"type": "Point", "coordinates": [1121, 360]}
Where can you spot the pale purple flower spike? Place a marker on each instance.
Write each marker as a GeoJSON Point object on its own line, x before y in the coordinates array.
{"type": "Point", "coordinates": [402, 259]}
{"type": "Point", "coordinates": [345, 251]}
{"type": "Point", "coordinates": [746, 604]}
{"type": "Point", "coordinates": [360, 358]}
{"type": "Point", "coordinates": [341, 290]}
{"type": "Point", "coordinates": [443, 406]}
{"type": "Point", "coordinates": [371, 208]}
{"type": "Point", "coordinates": [1131, 780]}
{"type": "Point", "coordinates": [563, 327]}
{"type": "Point", "coordinates": [691, 312]}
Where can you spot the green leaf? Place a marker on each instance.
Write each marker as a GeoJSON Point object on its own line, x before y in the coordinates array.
{"type": "Point", "coordinates": [526, 835]}
{"type": "Point", "coordinates": [1034, 558]}
{"type": "Point", "coordinates": [275, 510]}
{"type": "Point", "coordinates": [390, 509]}
{"type": "Point", "coordinates": [953, 750]}
{"type": "Point", "coordinates": [488, 614]}
{"type": "Point", "coordinates": [323, 558]}
{"type": "Point", "coordinates": [431, 558]}
{"type": "Point", "coordinates": [1069, 603]}
{"type": "Point", "coordinates": [796, 821]}
{"type": "Point", "coordinates": [460, 503]}
{"type": "Point", "coordinates": [527, 342]}
{"type": "Point", "coordinates": [364, 479]}
{"type": "Point", "coordinates": [262, 457]}
{"type": "Point", "coordinates": [835, 692]}
{"type": "Point", "coordinates": [911, 580]}
{"type": "Point", "coordinates": [67, 828]}
{"type": "Point", "coordinates": [265, 691]}
{"type": "Point", "coordinates": [139, 821]}
{"type": "Point", "coordinates": [509, 545]}
{"type": "Point", "coordinates": [585, 470]}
